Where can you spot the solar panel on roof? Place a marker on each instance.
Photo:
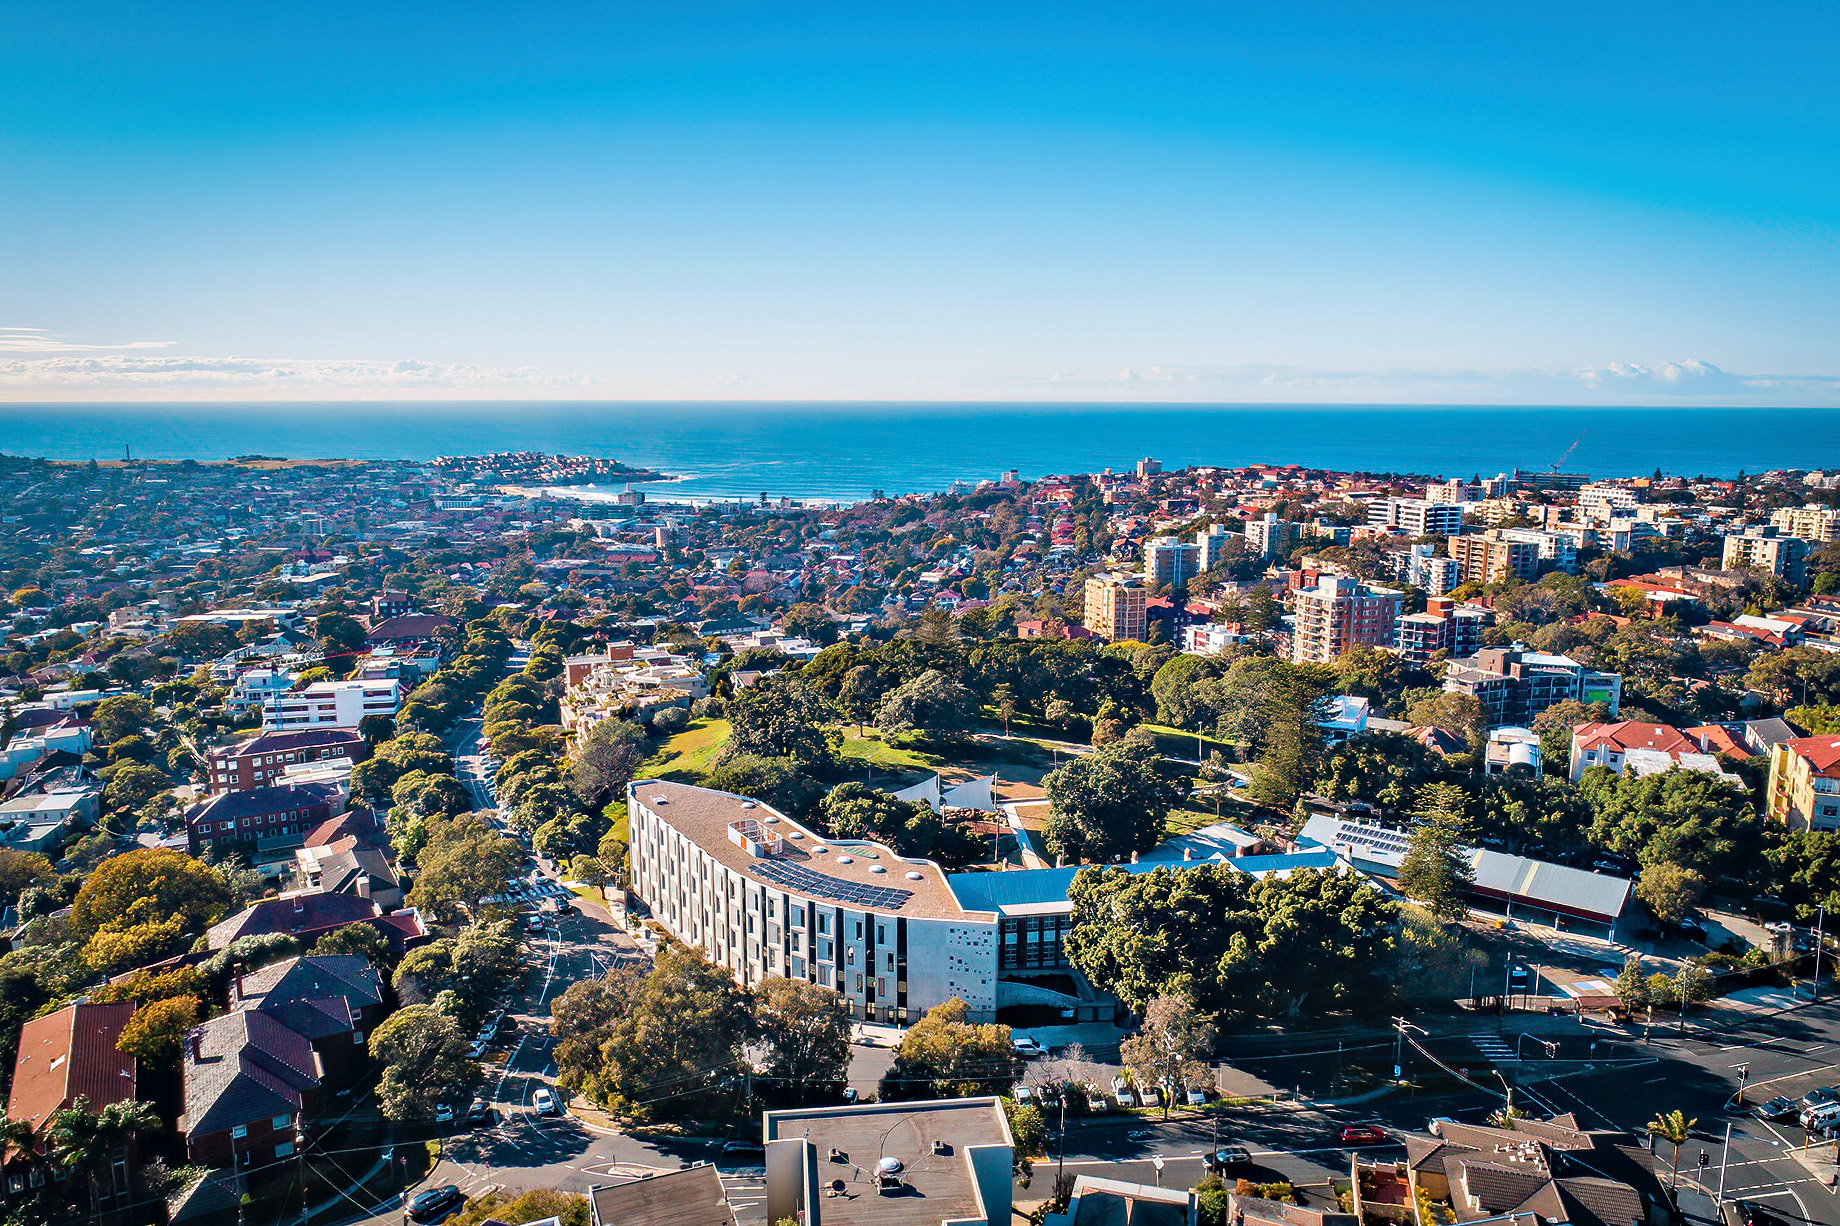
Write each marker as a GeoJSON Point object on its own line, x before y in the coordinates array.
{"type": "Point", "coordinates": [798, 877]}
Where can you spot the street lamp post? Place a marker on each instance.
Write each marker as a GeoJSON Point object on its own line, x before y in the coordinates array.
{"type": "Point", "coordinates": [1819, 923]}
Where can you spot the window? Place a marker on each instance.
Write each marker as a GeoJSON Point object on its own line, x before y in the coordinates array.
{"type": "Point", "coordinates": [284, 1149]}
{"type": "Point", "coordinates": [239, 1131]}
{"type": "Point", "coordinates": [824, 923]}
{"type": "Point", "coordinates": [281, 1121]}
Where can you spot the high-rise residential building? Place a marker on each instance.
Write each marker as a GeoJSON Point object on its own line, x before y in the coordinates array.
{"type": "Point", "coordinates": [1554, 547]}
{"type": "Point", "coordinates": [1605, 501]}
{"type": "Point", "coordinates": [1416, 516]}
{"type": "Point", "coordinates": [1211, 547]}
{"type": "Point", "coordinates": [1812, 522]}
{"type": "Point", "coordinates": [1446, 626]}
{"type": "Point", "coordinates": [1269, 536]}
{"type": "Point", "coordinates": [1490, 557]}
{"type": "Point", "coordinates": [1170, 561]}
{"type": "Point", "coordinates": [1115, 607]}
{"type": "Point", "coordinates": [1452, 491]}
{"type": "Point", "coordinates": [1341, 613]}
{"type": "Point", "coordinates": [1148, 467]}
{"type": "Point", "coordinates": [1761, 549]}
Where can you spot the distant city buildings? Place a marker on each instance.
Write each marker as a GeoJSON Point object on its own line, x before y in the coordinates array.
{"type": "Point", "coordinates": [1169, 562]}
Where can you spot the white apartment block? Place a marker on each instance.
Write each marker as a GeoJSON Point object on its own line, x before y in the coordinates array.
{"type": "Point", "coordinates": [1211, 640]}
{"type": "Point", "coordinates": [331, 704]}
{"type": "Point", "coordinates": [1811, 523]}
{"type": "Point", "coordinates": [1600, 502]}
{"type": "Point", "coordinates": [762, 895]}
{"type": "Point", "coordinates": [1416, 516]}
{"type": "Point", "coordinates": [1554, 547]}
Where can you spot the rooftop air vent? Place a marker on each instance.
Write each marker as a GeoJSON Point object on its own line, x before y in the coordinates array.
{"type": "Point", "coordinates": [748, 804]}
{"type": "Point", "coordinates": [916, 876]}
{"type": "Point", "coordinates": [876, 868]}
{"type": "Point", "coordinates": [661, 800]}
{"type": "Point", "coordinates": [845, 860]}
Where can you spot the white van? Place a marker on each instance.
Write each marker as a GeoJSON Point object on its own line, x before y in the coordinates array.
{"type": "Point", "coordinates": [1821, 1115]}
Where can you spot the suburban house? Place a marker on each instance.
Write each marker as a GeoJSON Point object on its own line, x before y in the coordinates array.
{"type": "Point", "coordinates": [1553, 1168]}
{"type": "Point", "coordinates": [310, 916]}
{"type": "Point", "coordinates": [66, 1056]}
{"type": "Point", "coordinates": [1096, 1201]}
{"type": "Point", "coordinates": [353, 868]}
{"type": "Point", "coordinates": [332, 1000]}
{"type": "Point", "coordinates": [1649, 748]}
{"type": "Point", "coordinates": [249, 1080]}
{"type": "Point", "coordinates": [407, 629]}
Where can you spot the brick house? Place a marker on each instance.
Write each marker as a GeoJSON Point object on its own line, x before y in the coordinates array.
{"type": "Point", "coordinates": [333, 1001]}
{"type": "Point", "coordinates": [63, 1057]}
{"type": "Point", "coordinates": [249, 1081]}
{"type": "Point", "coordinates": [263, 818]}
{"type": "Point", "coordinates": [259, 760]}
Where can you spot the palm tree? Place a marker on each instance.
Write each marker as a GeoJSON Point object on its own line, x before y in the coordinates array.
{"type": "Point", "coordinates": [19, 1137]}
{"type": "Point", "coordinates": [1676, 1128]}
{"type": "Point", "coordinates": [84, 1142]}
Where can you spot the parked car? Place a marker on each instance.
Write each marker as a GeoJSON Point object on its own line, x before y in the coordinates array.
{"type": "Point", "coordinates": [444, 1113]}
{"type": "Point", "coordinates": [743, 1153]}
{"type": "Point", "coordinates": [1227, 1157]}
{"type": "Point", "coordinates": [436, 1204]}
{"type": "Point", "coordinates": [1026, 1047]}
{"type": "Point", "coordinates": [1196, 1098]}
{"type": "Point", "coordinates": [1778, 1108]}
{"type": "Point", "coordinates": [1362, 1134]}
{"type": "Point", "coordinates": [1821, 1096]}
{"type": "Point", "coordinates": [545, 1102]}
{"type": "Point", "coordinates": [1153, 1096]}
{"type": "Point", "coordinates": [477, 1047]}
{"type": "Point", "coordinates": [1125, 1097]}
{"type": "Point", "coordinates": [480, 1112]}
{"type": "Point", "coordinates": [1024, 1096]}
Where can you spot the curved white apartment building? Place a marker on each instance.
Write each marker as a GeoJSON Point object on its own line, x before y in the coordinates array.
{"type": "Point", "coordinates": [762, 895]}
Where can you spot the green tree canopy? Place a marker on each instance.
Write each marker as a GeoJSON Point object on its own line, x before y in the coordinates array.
{"type": "Point", "coordinates": [805, 1030]}
{"type": "Point", "coordinates": [425, 1065]}
{"type": "Point", "coordinates": [1109, 803]}
{"type": "Point", "coordinates": [945, 1056]}
{"type": "Point", "coordinates": [779, 717]}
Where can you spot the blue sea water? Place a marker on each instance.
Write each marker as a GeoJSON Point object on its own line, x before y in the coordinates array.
{"type": "Point", "coordinates": [843, 451]}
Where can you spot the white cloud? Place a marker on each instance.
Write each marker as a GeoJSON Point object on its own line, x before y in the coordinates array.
{"type": "Point", "coordinates": [123, 376]}
{"type": "Point", "coordinates": [40, 340]}
{"type": "Point", "coordinates": [34, 365]}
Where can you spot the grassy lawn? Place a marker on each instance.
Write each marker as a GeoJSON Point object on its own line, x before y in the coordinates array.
{"type": "Point", "coordinates": [880, 754]}
{"type": "Point", "coordinates": [689, 754]}
{"type": "Point", "coordinates": [1183, 821]}
{"type": "Point", "coordinates": [1177, 743]}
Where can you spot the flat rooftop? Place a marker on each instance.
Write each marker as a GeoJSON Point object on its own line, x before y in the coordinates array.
{"type": "Point", "coordinates": [690, 1197]}
{"type": "Point", "coordinates": [938, 1187]}
{"type": "Point", "coordinates": [850, 873]}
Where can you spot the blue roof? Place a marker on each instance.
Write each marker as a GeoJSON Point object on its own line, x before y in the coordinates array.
{"type": "Point", "coordinates": [995, 891]}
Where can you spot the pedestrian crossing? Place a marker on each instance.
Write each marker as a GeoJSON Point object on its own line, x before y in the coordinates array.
{"type": "Point", "coordinates": [1493, 1049]}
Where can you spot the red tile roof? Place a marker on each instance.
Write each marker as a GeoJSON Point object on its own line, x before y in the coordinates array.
{"type": "Point", "coordinates": [1629, 734]}
{"type": "Point", "coordinates": [68, 1055]}
{"type": "Point", "coordinates": [1821, 752]}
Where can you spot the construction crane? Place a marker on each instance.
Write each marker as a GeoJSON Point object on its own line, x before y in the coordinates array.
{"type": "Point", "coordinates": [1568, 451]}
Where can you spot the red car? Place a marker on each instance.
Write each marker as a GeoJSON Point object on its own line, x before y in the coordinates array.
{"type": "Point", "coordinates": [1362, 1134]}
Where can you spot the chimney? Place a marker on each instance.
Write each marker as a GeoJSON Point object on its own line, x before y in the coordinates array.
{"type": "Point", "coordinates": [1134, 857]}
{"type": "Point", "coordinates": [196, 1039]}
{"type": "Point", "coordinates": [364, 885]}
{"type": "Point", "coordinates": [239, 985]}
{"type": "Point", "coordinates": [300, 904]}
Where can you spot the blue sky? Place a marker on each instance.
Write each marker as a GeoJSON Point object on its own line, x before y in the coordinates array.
{"type": "Point", "coordinates": [1472, 203]}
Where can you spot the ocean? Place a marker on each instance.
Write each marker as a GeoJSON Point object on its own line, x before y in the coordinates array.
{"type": "Point", "coordinates": [842, 452]}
